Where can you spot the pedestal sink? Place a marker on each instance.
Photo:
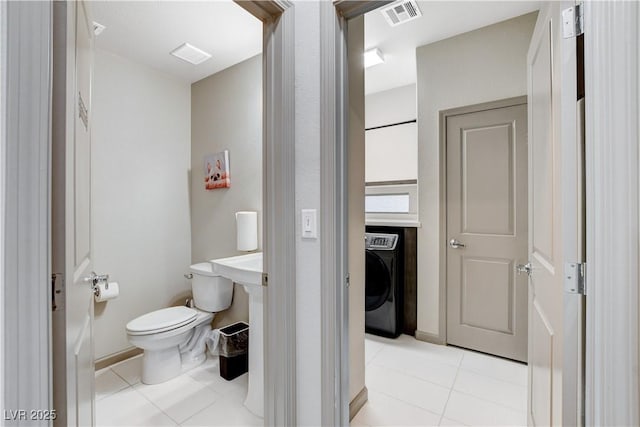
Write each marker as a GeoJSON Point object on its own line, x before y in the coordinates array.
{"type": "Point", "coordinates": [246, 270]}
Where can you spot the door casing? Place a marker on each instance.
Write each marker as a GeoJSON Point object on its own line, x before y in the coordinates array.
{"type": "Point", "coordinates": [26, 273]}
{"type": "Point", "coordinates": [25, 136]}
{"type": "Point", "coordinates": [612, 89]}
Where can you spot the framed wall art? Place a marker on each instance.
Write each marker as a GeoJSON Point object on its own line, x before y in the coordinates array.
{"type": "Point", "coordinates": [216, 171]}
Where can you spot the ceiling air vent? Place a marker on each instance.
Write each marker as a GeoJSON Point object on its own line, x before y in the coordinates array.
{"type": "Point", "coordinates": [190, 53]}
{"type": "Point", "coordinates": [401, 12]}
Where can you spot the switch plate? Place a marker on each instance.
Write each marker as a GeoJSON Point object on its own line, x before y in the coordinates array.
{"type": "Point", "coordinates": [309, 224]}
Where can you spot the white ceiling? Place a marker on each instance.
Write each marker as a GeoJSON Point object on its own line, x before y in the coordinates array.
{"type": "Point", "coordinates": [146, 31]}
{"type": "Point", "coordinates": [440, 20]}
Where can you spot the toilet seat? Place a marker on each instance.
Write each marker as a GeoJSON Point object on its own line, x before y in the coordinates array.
{"type": "Point", "coordinates": [162, 320]}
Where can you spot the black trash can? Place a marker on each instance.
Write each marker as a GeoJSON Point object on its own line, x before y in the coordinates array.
{"type": "Point", "coordinates": [234, 350]}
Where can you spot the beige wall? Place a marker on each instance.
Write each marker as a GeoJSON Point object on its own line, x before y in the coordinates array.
{"type": "Point", "coordinates": [226, 114]}
{"type": "Point", "coordinates": [479, 66]}
{"type": "Point", "coordinates": [140, 193]}
{"type": "Point", "coordinates": [356, 207]}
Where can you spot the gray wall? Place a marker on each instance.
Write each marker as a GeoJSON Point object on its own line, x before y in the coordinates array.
{"type": "Point", "coordinates": [140, 192]}
{"type": "Point", "coordinates": [479, 66]}
{"type": "Point", "coordinates": [226, 114]}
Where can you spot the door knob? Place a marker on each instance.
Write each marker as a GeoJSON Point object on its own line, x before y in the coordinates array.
{"type": "Point", "coordinates": [455, 244]}
{"type": "Point", "coordinates": [524, 268]}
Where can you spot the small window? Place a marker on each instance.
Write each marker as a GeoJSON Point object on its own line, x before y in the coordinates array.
{"type": "Point", "coordinates": [387, 203]}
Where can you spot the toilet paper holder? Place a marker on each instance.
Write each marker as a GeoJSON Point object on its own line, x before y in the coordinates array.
{"type": "Point", "coordinates": [95, 279]}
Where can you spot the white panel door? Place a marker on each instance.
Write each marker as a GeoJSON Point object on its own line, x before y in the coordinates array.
{"type": "Point", "coordinates": [487, 230]}
{"type": "Point", "coordinates": [551, 88]}
{"type": "Point", "coordinates": [80, 295]}
{"type": "Point", "coordinates": [73, 315]}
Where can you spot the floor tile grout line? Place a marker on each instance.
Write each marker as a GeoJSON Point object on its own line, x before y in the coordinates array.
{"type": "Point", "coordinates": [493, 377]}
{"type": "Point", "coordinates": [407, 374]}
{"type": "Point", "coordinates": [219, 398]}
{"type": "Point", "coordinates": [458, 421]}
{"type": "Point", "coordinates": [491, 401]}
{"type": "Point", "coordinates": [218, 394]}
{"type": "Point", "coordinates": [203, 409]}
{"type": "Point", "coordinates": [430, 359]}
{"type": "Point", "coordinates": [145, 398]}
{"type": "Point", "coordinates": [114, 392]}
{"type": "Point", "coordinates": [123, 378]}
{"type": "Point", "coordinates": [444, 409]}
{"type": "Point", "coordinates": [374, 355]}
{"type": "Point", "coordinates": [406, 403]}
{"type": "Point", "coordinates": [431, 383]}
{"type": "Point", "coordinates": [154, 404]}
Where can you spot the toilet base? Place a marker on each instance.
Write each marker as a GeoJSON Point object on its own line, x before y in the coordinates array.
{"type": "Point", "coordinates": [159, 366]}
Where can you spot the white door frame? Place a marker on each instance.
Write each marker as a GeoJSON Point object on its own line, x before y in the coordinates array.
{"type": "Point", "coordinates": [279, 239]}
{"type": "Point", "coordinates": [612, 59]}
{"type": "Point", "coordinates": [612, 55]}
{"type": "Point", "coordinates": [25, 169]}
{"type": "Point", "coordinates": [334, 107]}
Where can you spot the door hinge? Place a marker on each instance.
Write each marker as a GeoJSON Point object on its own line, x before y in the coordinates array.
{"type": "Point", "coordinates": [346, 281]}
{"type": "Point", "coordinates": [575, 281]}
{"type": "Point", "coordinates": [56, 291]}
{"type": "Point", "coordinates": [265, 279]}
{"type": "Point", "coordinates": [573, 21]}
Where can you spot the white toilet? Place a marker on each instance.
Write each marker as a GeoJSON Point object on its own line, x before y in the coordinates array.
{"type": "Point", "coordinates": [173, 338]}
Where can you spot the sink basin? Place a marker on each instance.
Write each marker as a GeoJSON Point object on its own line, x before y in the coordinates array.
{"type": "Point", "coordinates": [243, 269]}
{"type": "Point", "coordinates": [246, 270]}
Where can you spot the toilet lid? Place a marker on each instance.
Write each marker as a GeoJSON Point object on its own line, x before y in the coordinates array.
{"type": "Point", "coordinates": [161, 320]}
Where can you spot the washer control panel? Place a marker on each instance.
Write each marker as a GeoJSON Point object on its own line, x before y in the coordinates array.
{"type": "Point", "coordinates": [380, 242]}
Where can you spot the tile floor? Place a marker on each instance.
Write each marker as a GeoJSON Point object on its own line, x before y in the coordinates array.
{"type": "Point", "coordinates": [410, 383]}
{"type": "Point", "coordinates": [198, 398]}
{"type": "Point", "coordinates": [413, 383]}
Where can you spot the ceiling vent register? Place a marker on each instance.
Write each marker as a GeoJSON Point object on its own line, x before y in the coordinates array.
{"type": "Point", "coordinates": [401, 12]}
{"type": "Point", "coordinates": [190, 54]}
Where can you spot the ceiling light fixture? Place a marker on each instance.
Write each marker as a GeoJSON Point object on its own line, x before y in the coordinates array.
{"type": "Point", "coordinates": [373, 57]}
{"type": "Point", "coordinates": [190, 54]}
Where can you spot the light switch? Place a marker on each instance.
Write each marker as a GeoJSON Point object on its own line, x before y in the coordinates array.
{"type": "Point", "coordinates": [309, 224]}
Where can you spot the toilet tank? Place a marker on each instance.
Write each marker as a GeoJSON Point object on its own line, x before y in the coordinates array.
{"type": "Point", "coordinates": [211, 292]}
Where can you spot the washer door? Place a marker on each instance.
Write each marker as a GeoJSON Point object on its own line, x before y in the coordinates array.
{"type": "Point", "coordinates": [377, 281]}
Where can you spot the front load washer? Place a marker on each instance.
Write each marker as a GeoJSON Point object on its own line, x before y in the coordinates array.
{"type": "Point", "coordinates": [384, 284]}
